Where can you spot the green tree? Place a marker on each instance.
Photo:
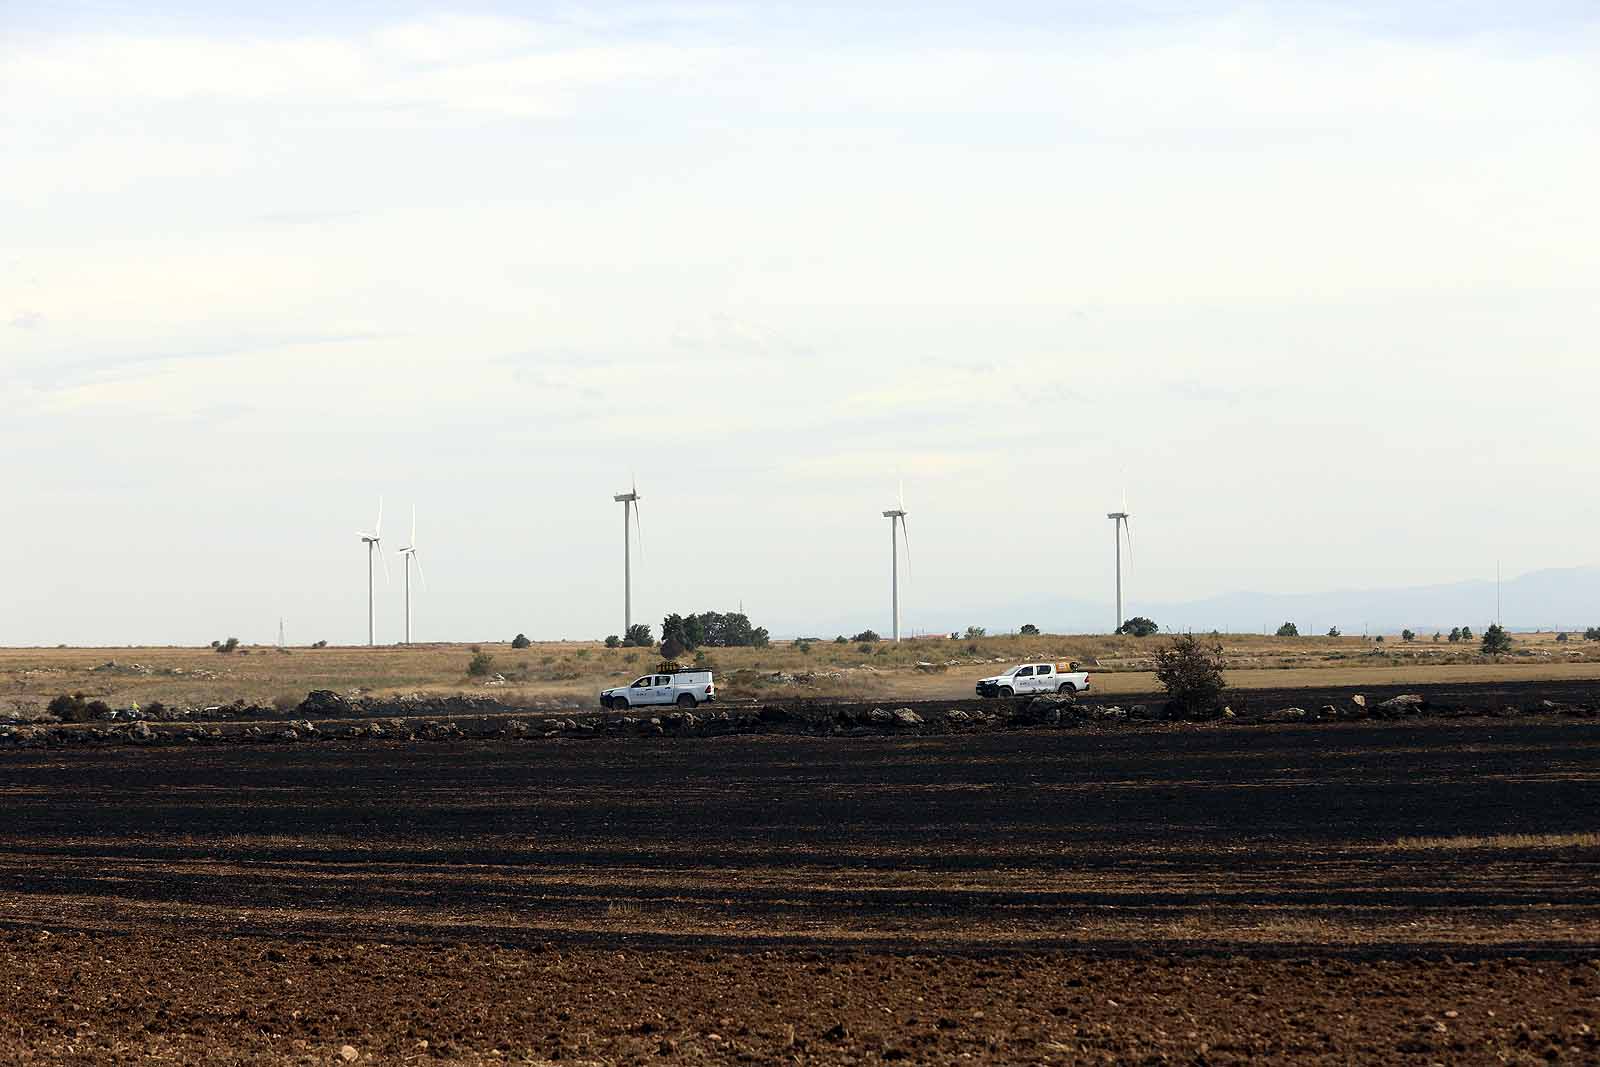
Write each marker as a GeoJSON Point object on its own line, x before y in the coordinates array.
{"type": "Point", "coordinates": [1455, 634]}
{"type": "Point", "coordinates": [1495, 640]}
{"type": "Point", "coordinates": [1029, 630]}
{"type": "Point", "coordinates": [674, 628]}
{"type": "Point", "coordinates": [1139, 626]}
{"type": "Point", "coordinates": [480, 664]}
{"type": "Point", "coordinates": [520, 641]}
{"type": "Point", "coordinates": [1466, 633]}
{"type": "Point", "coordinates": [867, 637]}
{"type": "Point", "coordinates": [1333, 631]}
{"type": "Point", "coordinates": [1288, 629]}
{"type": "Point", "coordinates": [613, 641]}
{"type": "Point", "coordinates": [1437, 637]}
{"type": "Point", "coordinates": [1407, 636]}
{"type": "Point", "coordinates": [638, 636]}
{"type": "Point", "coordinates": [1592, 634]}
{"type": "Point", "coordinates": [671, 648]}
{"type": "Point", "coordinates": [1191, 673]}
{"type": "Point", "coordinates": [975, 632]}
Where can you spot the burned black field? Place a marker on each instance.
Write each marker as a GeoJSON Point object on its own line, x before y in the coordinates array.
{"type": "Point", "coordinates": [1311, 863]}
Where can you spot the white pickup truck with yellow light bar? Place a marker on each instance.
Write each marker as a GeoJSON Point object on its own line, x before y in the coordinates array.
{"type": "Point", "coordinates": [1029, 678]}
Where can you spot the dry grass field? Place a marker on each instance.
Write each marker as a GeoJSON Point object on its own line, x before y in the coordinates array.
{"type": "Point", "coordinates": [571, 673]}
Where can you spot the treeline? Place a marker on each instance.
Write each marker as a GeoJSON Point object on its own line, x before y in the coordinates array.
{"type": "Point", "coordinates": [710, 629]}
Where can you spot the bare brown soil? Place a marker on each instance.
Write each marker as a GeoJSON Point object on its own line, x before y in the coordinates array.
{"type": "Point", "coordinates": [1164, 895]}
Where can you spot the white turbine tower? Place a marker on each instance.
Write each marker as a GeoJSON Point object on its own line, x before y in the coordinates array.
{"type": "Point", "coordinates": [372, 540]}
{"type": "Point", "coordinates": [409, 553]}
{"type": "Point", "coordinates": [1120, 525]}
{"type": "Point", "coordinates": [629, 502]}
{"type": "Point", "coordinates": [897, 516]}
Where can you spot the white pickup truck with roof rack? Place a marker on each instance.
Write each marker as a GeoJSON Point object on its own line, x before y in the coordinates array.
{"type": "Point", "coordinates": [685, 688]}
{"type": "Point", "coordinates": [1029, 678]}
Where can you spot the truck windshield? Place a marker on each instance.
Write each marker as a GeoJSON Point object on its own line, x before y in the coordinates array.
{"type": "Point", "coordinates": [1011, 672]}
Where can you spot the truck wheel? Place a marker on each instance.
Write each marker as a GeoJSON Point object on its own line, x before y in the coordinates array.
{"type": "Point", "coordinates": [686, 700]}
{"type": "Point", "coordinates": [619, 704]}
{"type": "Point", "coordinates": [605, 702]}
{"type": "Point", "coordinates": [1007, 692]}
{"type": "Point", "coordinates": [1067, 687]}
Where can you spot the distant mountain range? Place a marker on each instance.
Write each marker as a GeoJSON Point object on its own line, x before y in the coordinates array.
{"type": "Point", "coordinates": [1557, 599]}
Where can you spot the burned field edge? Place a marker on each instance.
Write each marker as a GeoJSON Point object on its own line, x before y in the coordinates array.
{"type": "Point", "coordinates": [326, 716]}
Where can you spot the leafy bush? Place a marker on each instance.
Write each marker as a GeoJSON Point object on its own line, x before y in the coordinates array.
{"type": "Point", "coordinates": [1455, 634]}
{"type": "Point", "coordinates": [1495, 640]}
{"type": "Point", "coordinates": [1437, 637]}
{"type": "Point", "coordinates": [613, 641]}
{"type": "Point", "coordinates": [864, 648]}
{"type": "Point", "coordinates": [1466, 633]}
{"type": "Point", "coordinates": [1561, 638]}
{"type": "Point", "coordinates": [480, 664]}
{"type": "Point", "coordinates": [672, 648]}
{"type": "Point", "coordinates": [1407, 636]}
{"type": "Point", "coordinates": [1191, 673]}
{"type": "Point", "coordinates": [867, 637]}
{"type": "Point", "coordinates": [1029, 630]}
{"type": "Point", "coordinates": [319, 644]}
{"type": "Point", "coordinates": [1333, 631]}
{"type": "Point", "coordinates": [802, 645]}
{"type": "Point", "coordinates": [1139, 626]}
{"type": "Point", "coordinates": [841, 640]}
{"type": "Point", "coordinates": [1592, 634]}
{"type": "Point", "coordinates": [975, 632]}
{"type": "Point", "coordinates": [1288, 629]}
{"type": "Point", "coordinates": [520, 641]}
{"type": "Point", "coordinates": [1379, 639]}
{"type": "Point", "coordinates": [225, 647]}
{"type": "Point", "coordinates": [638, 636]}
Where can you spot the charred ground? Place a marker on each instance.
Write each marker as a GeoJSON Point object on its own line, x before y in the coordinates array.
{"type": "Point", "coordinates": [1171, 893]}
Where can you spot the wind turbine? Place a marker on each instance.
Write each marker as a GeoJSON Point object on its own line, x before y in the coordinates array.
{"type": "Point", "coordinates": [629, 500]}
{"type": "Point", "coordinates": [897, 515]}
{"type": "Point", "coordinates": [1120, 525]}
{"type": "Point", "coordinates": [372, 540]}
{"type": "Point", "coordinates": [410, 554]}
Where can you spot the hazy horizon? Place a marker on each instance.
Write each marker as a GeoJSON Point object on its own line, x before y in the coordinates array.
{"type": "Point", "coordinates": [1314, 283]}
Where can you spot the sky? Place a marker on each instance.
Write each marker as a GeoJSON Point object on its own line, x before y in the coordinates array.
{"type": "Point", "coordinates": [1314, 284]}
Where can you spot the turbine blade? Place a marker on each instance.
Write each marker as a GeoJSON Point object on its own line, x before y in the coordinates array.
{"type": "Point", "coordinates": [385, 561]}
{"type": "Point", "coordinates": [905, 536]}
{"type": "Point", "coordinates": [377, 529]}
{"type": "Point", "coordinates": [638, 528]}
{"type": "Point", "coordinates": [1127, 528]}
{"type": "Point", "coordinates": [420, 573]}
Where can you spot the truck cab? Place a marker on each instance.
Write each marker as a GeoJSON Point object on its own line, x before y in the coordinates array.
{"type": "Point", "coordinates": [1028, 678]}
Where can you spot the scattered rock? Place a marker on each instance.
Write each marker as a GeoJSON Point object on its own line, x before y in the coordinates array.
{"type": "Point", "coordinates": [1404, 704]}
{"type": "Point", "coordinates": [348, 1053]}
{"type": "Point", "coordinates": [906, 717]}
{"type": "Point", "coordinates": [324, 704]}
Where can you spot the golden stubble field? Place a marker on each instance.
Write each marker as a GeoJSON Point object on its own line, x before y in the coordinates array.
{"type": "Point", "coordinates": [565, 673]}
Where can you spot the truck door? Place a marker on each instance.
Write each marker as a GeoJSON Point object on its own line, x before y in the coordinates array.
{"type": "Point", "coordinates": [1022, 681]}
{"type": "Point", "coordinates": [1044, 678]}
{"type": "Point", "coordinates": [661, 693]}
